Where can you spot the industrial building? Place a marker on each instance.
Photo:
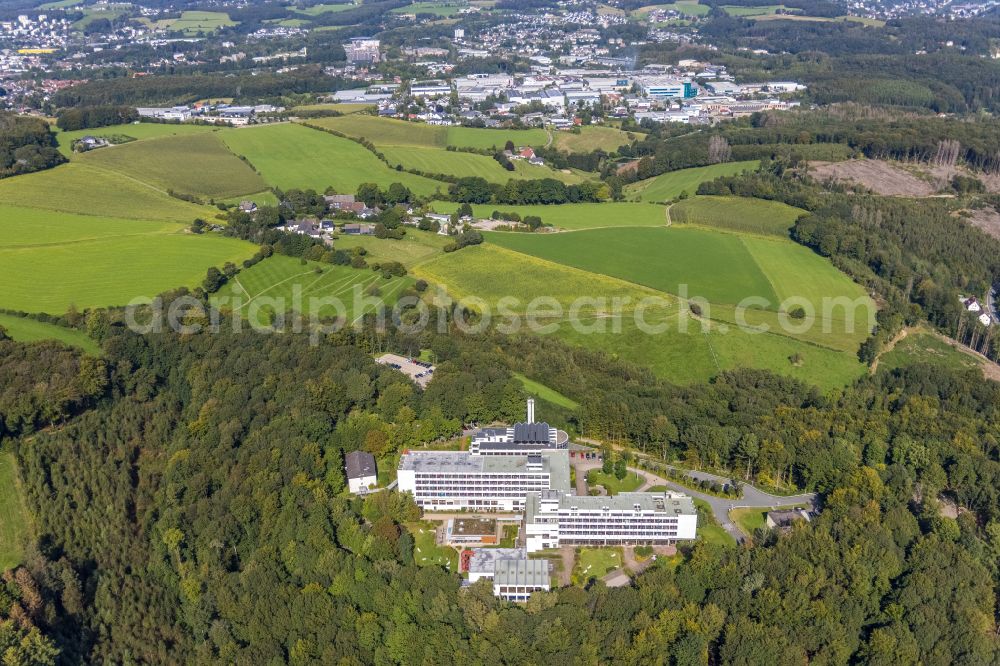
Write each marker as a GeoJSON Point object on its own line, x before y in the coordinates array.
{"type": "Point", "coordinates": [519, 439]}
{"type": "Point", "coordinates": [452, 480]}
{"type": "Point", "coordinates": [554, 519]}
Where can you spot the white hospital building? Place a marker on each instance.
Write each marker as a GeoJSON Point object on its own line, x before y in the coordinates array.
{"type": "Point", "coordinates": [454, 480]}
{"type": "Point", "coordinates": [554, 519]}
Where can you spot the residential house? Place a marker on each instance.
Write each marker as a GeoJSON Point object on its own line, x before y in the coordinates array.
{"type": "Point", "coordinates": [783, 520]}
{"type": "Point", "coordinates": [361, 471]}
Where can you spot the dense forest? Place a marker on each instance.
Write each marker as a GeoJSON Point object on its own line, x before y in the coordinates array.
{"type": "Point", "coordinates": [187, 88]}
{"type": "Point", "coordinates": [26, 144]}
{"type": "Point", "coordinates": [189, 509]}
{"type": "Point", "coordinates": [86, 117]}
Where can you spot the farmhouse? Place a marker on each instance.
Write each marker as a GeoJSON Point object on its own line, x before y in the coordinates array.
{"type": "Point", "coordinates": [248, 207]}
{"type": "Point", "coordinates": [354, 229]}
{"type": "Point", "coordinates": [361, 472]}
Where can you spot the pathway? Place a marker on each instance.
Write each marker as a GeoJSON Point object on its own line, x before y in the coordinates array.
{"type": "Point", "coordinates": [721, 506]}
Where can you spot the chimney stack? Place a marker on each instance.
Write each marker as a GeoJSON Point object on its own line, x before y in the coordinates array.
{"type": "Point", "coordinates": [531, 410]}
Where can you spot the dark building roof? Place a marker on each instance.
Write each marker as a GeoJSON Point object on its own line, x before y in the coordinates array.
{"type": "Point", "coordinates": [359, 464]}
{"type": "Point", "coordinates": [531, 433]}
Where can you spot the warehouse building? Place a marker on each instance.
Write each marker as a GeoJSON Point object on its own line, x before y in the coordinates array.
{"type": "Point", "coordinates": [554, 519]}
{"type": "Point", "coordinates": [515, 580]}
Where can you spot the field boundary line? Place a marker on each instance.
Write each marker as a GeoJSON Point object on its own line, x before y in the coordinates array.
{"type": "Point", "coordinates": [276, 284]}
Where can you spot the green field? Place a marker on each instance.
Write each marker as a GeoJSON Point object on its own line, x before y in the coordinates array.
{"type": "Point", "coordinates": [198, 164]}
{"type": "Point", "coordinates": [59, 4]}
{"type": "Point", "coordinates": [90, 15]}
{"type": "Point", "coordinates": [593, 137]}
{"type": "Point", "coordinates": [51, 260]}
{"type": "Point", "coordinates": [192, 23]}
{"type": "Point", "coordinates": [138, 131]}
{"type": "Point", "coordinates": [742, 214]}
{"type": "Point", "coordinates": [613, 484]}
{"type": "Point", "coordinates": [326, 8]}
{"type": "Point", "coordinates": [473, 271]}
{"type": "Point", "coordinates": [416, 246]}
{"type": "Point", "coordinates": [13, 516]}
{"type": "Point", "coordinates": [90, 190]}
{"type": "Point", "coordinates": [575, 216]}
{"type": "Point", "coordinates": [442, 9]}
{"type": "Point", "coordinates": [282, 284]}
{"type": "Point", "coordinates": [290, 155]}
{"type": "Point", "coordinates": [925, 347]}
{"type": "Point", "coordinates": [455, 163]}
{"type": "Point", "coordinates": [23, 329]}
{"type": "Point", "coordinates": [714, 266]}
{"type": "Point", "coordinates": [539, 390]}
{"type": "Point", "coordinates": [670, 185]}
{"type": "Point", "coordinates": [393, 132]}
{"type": "Point", "coordinates": [685, 7]}
{"type": "Point", "coordinates": [759, 10]}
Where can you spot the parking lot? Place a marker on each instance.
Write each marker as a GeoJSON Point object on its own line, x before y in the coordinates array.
{"type": "Point", "coordinates": [418, 371]}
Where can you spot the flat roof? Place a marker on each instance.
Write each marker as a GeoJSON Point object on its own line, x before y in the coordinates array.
{"type": "Point", "coordinates": [484, 560]}
{"type": "Point", "coordinates": [670, 503]}
{"type": "Point", "coordinates": [556, 463]}
{"type": "Point", "coordinates": [526, 573]}
{"type": "Point", "coordinates": [474, 526]}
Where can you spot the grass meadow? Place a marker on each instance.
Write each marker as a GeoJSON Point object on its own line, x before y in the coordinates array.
{"type": "Point", "coordinates": [661, 259]}
{"type": "Point", "coordinates": [456, 163]}
{"type": "Point", "coordinates": [576, 216]}
{"type": "Point", "coordinates": [23, 329]}
{"type": "Point", "coordinates": [14, 526]}
{"type": "Point", "coordinates": [193, 22]}
{"type": "Point", "coordinates": [742, 214]}
{"type": "Point", "coordinates": [91, 190]}
{"type": "Point", "coordinates": [920, 346]}
{"type": "Point", "coordinates": [138, 131]}
{"type": "Point", "coordinates": [539, 390]}
{"type": "Point", "coordinates": [670, 185]}
{"type": "Point", "coordinates": [442, 9]}
{"type": "Point", "coordinates": [415, 247]}
{"type": "Point", "coordinates": [290, 156]}
{"type": "Point", "coordinates": [475, 272]}
{"type": "Point", "coordinates": [51, 260]}
{"type": "Point", "coordinates": [593, 137]}
{"type": "Point", "coordinates": [198, 164]}
{"type": "Point", "coordinates": [272, 286]}
{"type": "Point", "coordinates": [393, 132]}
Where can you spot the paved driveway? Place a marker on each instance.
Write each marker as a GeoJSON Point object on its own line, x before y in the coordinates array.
{"type": "Point", "coordinates": [721, 506]}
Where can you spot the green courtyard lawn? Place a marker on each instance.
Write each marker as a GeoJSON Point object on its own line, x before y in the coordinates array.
{"type": "Point", "coordinates": [14, 526]}
{"type": "Point", "coordinates": [749, 520]}
{"type": "Point", "coordinates": [613, 484]}
{"type": "Point", "coordinates": [596, 563]}
{"type": "Point", "coordinates": [542, 391]}
{"type": "Point", "coordinates": [426, 552]}
{"type": "Point", "coordinates": [23, 329]}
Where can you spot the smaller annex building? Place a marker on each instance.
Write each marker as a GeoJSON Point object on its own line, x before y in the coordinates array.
{"type": "Point", "coordinates": [361, 472]}
{"type": "Point", "coordinates": [553, 519]}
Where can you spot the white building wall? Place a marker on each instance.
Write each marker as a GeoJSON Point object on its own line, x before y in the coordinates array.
{"type": "Point", "coordinates": [362, 484]}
